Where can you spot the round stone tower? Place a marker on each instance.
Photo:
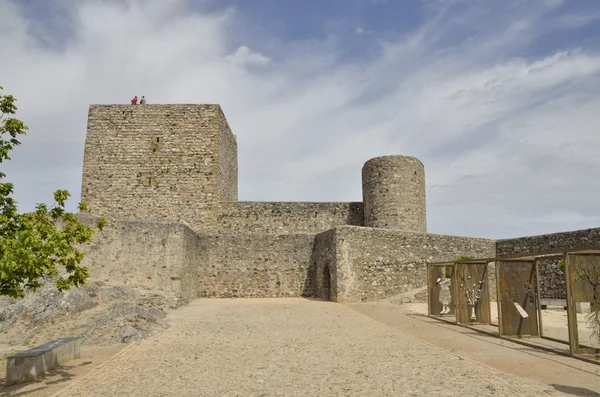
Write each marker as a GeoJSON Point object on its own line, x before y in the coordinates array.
{"type": "Point", "coordinates": [394, 193]}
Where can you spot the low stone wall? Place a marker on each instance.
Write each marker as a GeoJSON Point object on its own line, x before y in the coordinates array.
{"type": "Point", "coordinates": [346, 264]}
{"type": "Point", "coordinates": [255, 266]}
{"type": "Point", "coordinates": [556, 242]}
{"type": "Point", "coordinates": [285, 218]}
{"type": "Point", "coordinates": [374, 264]}
{"type": "Point", "coordinates": [552, 280]}
{"type": "Point", "coordinates": [152, 255]}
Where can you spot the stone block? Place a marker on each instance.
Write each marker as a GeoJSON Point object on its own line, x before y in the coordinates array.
{"type": "Point", "coordinates": [29, 364]}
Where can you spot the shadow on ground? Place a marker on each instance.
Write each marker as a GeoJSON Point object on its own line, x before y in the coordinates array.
{"type": "Point", "coordinates": [575, 391]}
{"type": "Point", "coordinates": [58, 375]}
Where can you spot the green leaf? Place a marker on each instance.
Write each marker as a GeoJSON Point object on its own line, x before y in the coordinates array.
{"type": "Point", "coordinates": [36, 245]}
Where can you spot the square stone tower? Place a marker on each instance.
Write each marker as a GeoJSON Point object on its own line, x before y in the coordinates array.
{"type": "Point", "coordinates": [159, 162]}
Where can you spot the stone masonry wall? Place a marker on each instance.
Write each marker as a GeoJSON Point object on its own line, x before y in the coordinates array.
{"type": "Point", "coordinates": [228, 163]}
{"type": "Point", "coordinates": [394, 193]}
{"type": "Point", "coordinates": [156, 162]}
{"type": "Point", "coordinates": [285, 218]}
{"type": "Point", "coordinates": [552, 280]}
{"type": "Point", "coordinates": [255, 266]}
{"type": "Point", "coordinates": [152, 255]}
{"type": "Point", "coordinates": [192, 258]}
{"type": "Point", "coordinates": [374, 264]}
{"type": "Point", "coordinates": [323, 263]}
{"type": "Point", "coordinates": [556, 242]}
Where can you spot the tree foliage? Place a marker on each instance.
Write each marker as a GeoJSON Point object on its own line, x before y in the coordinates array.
{"type": "Point", "coordinates": [464, 258]}
{"type": "Point", "coordinates": [41, 244]}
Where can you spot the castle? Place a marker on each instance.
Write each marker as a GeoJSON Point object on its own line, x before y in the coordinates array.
{"type": "Point", "coordinates": [166, 176]}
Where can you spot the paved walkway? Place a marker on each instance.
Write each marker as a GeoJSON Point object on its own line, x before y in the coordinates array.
{"type": "Point", "coordinates": [290, 347]}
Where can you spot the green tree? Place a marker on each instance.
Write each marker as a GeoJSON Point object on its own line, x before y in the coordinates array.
{"type": "Point", "coordinates": [36, 245]}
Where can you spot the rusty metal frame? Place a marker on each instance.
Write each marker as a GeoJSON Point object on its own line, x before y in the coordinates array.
{"type": "Point", "coordinates": [575, 349]}
{"type": "Point", "coordinates": [535, 257]}
{"type": "Point", "coordinates": [500, 287]}
{"type": "Point", "coordinates": [430, 290]}
{"type": "Point", "coordinates": [455, 286]}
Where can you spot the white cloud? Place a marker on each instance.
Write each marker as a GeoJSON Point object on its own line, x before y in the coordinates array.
{"type": "Point", "coordinates": [509, 143]}
{"type": "Point", "coordinates": [244, 56]}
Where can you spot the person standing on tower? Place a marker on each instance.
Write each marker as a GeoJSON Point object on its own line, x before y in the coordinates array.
{"type": "Point", "coordinates": [143, 100]}
{"type": "Point", "coordinates": [134, 100]}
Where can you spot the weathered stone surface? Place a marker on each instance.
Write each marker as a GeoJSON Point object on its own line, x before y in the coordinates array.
{"type": "Point", "coordinates": [255, 266]}
{"type": "Point", "coordinates": [100, 314]}
{"type": "Point", "coordinates": [394, 193]}
{"type": "Point", "coordinates": [158, 162]}
{"type": "Point", "coordinates": [153, 255]}
{"type": "Point", "coordinates": [374, 264]}
{"type": "Point", "coordinates": [285, 218]}
{"type": "Point", "coordinates": [48, 303]}
{"type": "Point", "coordinates": [555, 242]}
{"type": "Point", "coordinates": [553, 284]}
{"type": "Point", "coordinates": [323, 262]}
{"type": "Point", "coordinates": [227, 181]}
{"type": "Point", "coordinates": [552, 279]}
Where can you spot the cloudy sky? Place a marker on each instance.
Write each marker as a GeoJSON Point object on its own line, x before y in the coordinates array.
{"type": "Point", "coordinates": [499, 99]}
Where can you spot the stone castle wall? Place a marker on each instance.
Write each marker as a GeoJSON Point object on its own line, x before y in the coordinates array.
{"type": "Point", "coordinates": [553, 284]}
{"type": "Point", "coordinates": [548, 243]}
{"type": "Point", "coordinates": [285, 218]}
{"type": "Point", "coordinates": [323, 262]}
{"type": "Point", "coordinates": [228, 163]}
{"type": "Point", "coordinates": [153, 255]}
{"type": "Point", "coordinates": [374, 264]}
{"type": "Point", "coordinates": [255, 266]}
{"type": "Point", "coordinates": [344, 264]}
{"type": "Point", "coordinates": [158, 162]}
{"type": "Point", "coordinates": [151, 169]}
{"type": "Point", "coordinates": [394, 193]}
{"type": "Point", "coordinates": [552, 279]}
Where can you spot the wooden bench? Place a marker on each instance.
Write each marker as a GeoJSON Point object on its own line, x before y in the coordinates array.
{"type": "Point", "coordinates": [30, 364]}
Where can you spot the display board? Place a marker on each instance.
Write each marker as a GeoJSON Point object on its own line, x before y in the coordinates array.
{"type": "Point", "coordinates": [518, 310]}
{"type": "Point", "coordinates": [473, 300]}
{"type": "Point", "coordinates": [441, 290]}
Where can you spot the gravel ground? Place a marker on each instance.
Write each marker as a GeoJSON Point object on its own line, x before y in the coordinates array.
{"type": "Point", "coordinates": [291, 347]}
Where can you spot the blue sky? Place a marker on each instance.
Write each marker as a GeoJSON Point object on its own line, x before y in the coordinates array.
{"type": "Point", "coordinates": [499, 99]}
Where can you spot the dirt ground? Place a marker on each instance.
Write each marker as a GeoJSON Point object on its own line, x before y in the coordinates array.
{"type": "Point", "coordinates": [569, 375]}
{"type": "Point", "coordinates": [253, 347]}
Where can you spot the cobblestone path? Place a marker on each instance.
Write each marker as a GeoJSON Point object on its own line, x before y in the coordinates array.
{"type": "Point", "coordinates": [290, 347]}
